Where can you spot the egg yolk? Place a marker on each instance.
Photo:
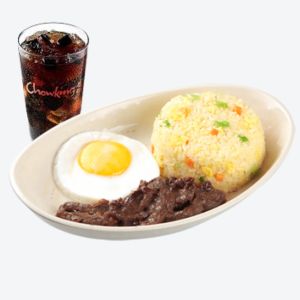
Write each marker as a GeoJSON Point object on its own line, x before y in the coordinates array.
{"type": "Point", "coordinates": [107, 158]}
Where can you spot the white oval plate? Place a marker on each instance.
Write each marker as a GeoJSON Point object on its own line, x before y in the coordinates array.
{"type": "Point", "coordinates": [31, 173]}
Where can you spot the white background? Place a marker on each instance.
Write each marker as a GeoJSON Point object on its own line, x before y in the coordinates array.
{"type": "Point", "coordinates": [138, 47]}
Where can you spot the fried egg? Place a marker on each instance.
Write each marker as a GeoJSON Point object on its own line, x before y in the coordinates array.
{"type": "Point", "coordinates": [102, 165]}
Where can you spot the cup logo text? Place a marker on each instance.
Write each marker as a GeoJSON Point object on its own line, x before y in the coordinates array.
{"type": "Point", "coordinates": [56, 93]}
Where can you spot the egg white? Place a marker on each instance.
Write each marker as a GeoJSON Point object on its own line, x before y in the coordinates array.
{"type": "Point", "coordinates": [84, 187]}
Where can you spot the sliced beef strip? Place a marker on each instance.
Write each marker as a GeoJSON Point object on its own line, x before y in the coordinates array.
{"type": "Point", "coordinates": [157, 201]}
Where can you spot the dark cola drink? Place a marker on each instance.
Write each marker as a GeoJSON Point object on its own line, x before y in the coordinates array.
{"type": "Point", "coordinates": [53, 60]}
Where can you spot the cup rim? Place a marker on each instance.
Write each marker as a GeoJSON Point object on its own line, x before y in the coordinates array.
{"type": "Point", "coordinates": [21, 49]}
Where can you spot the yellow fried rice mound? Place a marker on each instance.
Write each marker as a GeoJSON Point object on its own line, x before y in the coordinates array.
{"type": "Point", "coordinates": [209, 136]}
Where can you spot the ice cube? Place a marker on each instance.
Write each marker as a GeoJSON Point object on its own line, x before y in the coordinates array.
{"type": "Point", "coordinates": [57, 116]}
{"type": "Point", "coordinates": [53, 118]}
{"type": "Point", "coordinates": [64, 41]}
{"type": "Point", "coordinates": [49, 61]}
{"type": "Point", "coordinates": [33, 45]}
{"type": "Point", "coordinates": [45, 38]}
{"type": "Point", "coordinates": [53, 103]}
